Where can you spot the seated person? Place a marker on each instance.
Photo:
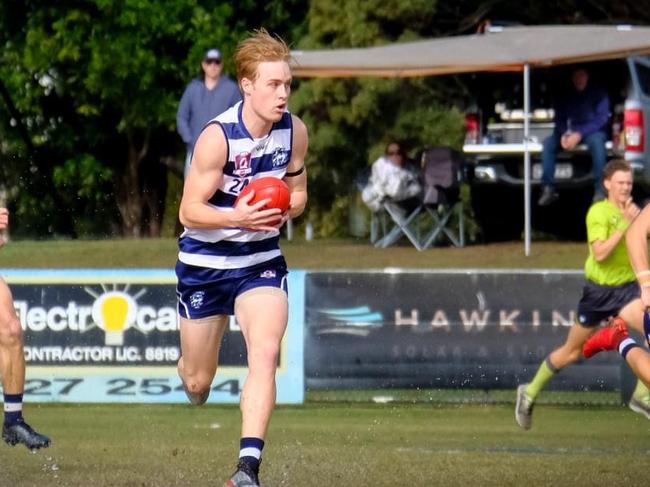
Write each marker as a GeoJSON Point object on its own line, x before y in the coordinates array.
{"type": "Point", "coordinates": [393, 178]}
{"type": "Point", "coordinates": [580, 116]}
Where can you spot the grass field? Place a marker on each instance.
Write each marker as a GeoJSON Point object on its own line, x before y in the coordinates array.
{"type": "Point", "coordinates": [422, 438]}
{"type": "Point", "coordinates": [324, 444]}
{"type": "Point", "coordinates": [318, 254]}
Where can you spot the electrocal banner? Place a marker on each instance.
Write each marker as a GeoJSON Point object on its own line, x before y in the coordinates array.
{"type": "Point", "coordinates": [112, 336]}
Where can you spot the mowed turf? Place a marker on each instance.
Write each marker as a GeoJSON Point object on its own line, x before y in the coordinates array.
{"type": "Point", "coordinates": [342, 444]}
{"type": "Point", "coordinates": [330, 442]}
{"type": "Point", "coordinates": [318, 254]}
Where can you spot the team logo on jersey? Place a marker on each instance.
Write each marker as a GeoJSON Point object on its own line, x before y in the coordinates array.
{"type": "Point", "coordinates": [196, 299]}
{"type": "Point", "coordinates": [280, 157]}
{"type": "Point", "coordinates": [268, 274]}
{"type": "Point", "coordinates": [243, 164]}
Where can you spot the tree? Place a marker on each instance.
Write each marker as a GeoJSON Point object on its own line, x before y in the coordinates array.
{"type": "Point", "coordinates": [91, 90]}
{"type": "Point", "coordinates": [350, 120]}
{"type": "Point", "coordinates": [97, 84]}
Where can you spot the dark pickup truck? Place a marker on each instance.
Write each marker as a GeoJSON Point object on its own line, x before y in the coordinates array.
{"type": "Point", "coordinates": [494, 146]}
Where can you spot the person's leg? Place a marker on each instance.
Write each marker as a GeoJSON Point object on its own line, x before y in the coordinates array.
{"type": "Point", "coordinates": [12, 372]}
{"type": "Point", "coordinates": [632, 314]}
{"type": "Point", "coordinates": [596, 144]}
{"type": "Point", "coordinates": [571, 350]}
{"type": "Point", "coordinates": [550, 147]}
{"type": "Point", "coordinates": [559, 358]}
{"type": "Point", "coordinates": [12, 359]}
{"type": "Point", "coordinates": [262, 315]}
{"type": "Point", "coordinates": [200, 344]}
{"type": "Point", "coordinates": [639, 361]}
{"type": "Point", "coordinates": [615, 337]}
{"type": "Point", "coordinates": [568, 353]}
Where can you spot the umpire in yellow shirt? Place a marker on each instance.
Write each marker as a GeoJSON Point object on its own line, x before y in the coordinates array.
{"type": "Point", "coordinates": [610, 291]}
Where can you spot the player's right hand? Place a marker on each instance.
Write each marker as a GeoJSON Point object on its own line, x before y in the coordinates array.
{"type": "Point", "coordinates": [253, 217]}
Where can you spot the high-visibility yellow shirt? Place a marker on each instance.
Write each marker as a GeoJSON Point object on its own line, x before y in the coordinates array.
{"type": "Point", "coordinates": [603, 219]}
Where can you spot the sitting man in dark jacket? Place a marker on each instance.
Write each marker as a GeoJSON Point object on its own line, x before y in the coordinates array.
{"type": "Point", "coordinates": [580, 116]}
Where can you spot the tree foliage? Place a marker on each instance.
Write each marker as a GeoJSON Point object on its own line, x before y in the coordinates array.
{"type": "Point", "coordinates": [89, 91]}
{"type": "Point", "coordinates": [351, 120]}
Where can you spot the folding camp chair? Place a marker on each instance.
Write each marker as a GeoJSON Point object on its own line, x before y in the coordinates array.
{"type": "Point", "coordinates": [391, 219]}
{"type": "Point", "coordinates": [442, 169]}
{"type": "Point", "coordinates": [395, 219]}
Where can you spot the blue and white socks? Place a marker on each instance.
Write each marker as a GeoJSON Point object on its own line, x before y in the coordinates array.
{"type": "Point", "coordinates": [250, 451]}
{"type": "Point", "coordinates": [626, 345]}
{"type": "Point", "coordinates": [13, 407]}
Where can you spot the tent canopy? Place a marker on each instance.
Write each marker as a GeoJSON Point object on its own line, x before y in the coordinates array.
{"type": "Point", "coordinates": [499, 49]}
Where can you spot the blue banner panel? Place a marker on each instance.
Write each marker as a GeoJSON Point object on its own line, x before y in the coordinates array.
{"type": "Point", "coordinates": [112, 336]}
{"type": "Point", "coordinates": [467, 328]}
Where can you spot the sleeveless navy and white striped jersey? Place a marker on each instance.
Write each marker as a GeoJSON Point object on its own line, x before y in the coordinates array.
{"type": "Point", "coordinates": [247, 159]}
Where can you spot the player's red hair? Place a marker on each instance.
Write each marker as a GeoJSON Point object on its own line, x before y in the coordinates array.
{"type": "Point", "coordinates": [258, 48]}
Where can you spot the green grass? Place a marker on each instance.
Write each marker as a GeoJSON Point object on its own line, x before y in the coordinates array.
{"type": "Point", "coordinates": [322, 444]}
{"type": "Point", "coordinates": [318, 254]}
{"type": "Point", "coordinates": [417, 438]}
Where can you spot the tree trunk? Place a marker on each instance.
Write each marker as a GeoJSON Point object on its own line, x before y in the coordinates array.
{"type": "Point", "coordinates": [129, 193]}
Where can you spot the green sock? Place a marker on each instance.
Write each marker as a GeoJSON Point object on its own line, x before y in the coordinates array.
{"type": "Point", "coordinates": [641, 392]}
{"type": "Point", "coordinates": [545, 373]}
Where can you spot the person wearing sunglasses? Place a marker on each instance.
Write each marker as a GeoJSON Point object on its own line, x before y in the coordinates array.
{"type": "Point", "coordinates": [393, 178]}
{"type": "Point", "coordinates": [203, 100]}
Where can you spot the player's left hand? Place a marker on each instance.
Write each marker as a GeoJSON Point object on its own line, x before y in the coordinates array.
{"type": "Point", "coordinates": [286, 216]}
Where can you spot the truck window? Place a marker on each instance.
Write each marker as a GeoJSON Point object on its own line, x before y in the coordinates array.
{"type": "Point", "coordinates": [643, 74]}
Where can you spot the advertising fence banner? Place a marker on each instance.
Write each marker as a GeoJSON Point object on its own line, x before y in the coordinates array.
{"type": "Point", "coordinates": [112, 336]}
{"type": "Point", "coordinates": [467, 328]}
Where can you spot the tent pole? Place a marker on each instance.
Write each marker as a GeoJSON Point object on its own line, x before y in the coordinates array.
{"type": "Point", "coordinates": [526, 160]}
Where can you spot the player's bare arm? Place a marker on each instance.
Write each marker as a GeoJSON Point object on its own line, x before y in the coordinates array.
{"type": "Point", "coordinates": [298, 183]}
{"type": "Point", "coordinates": [637, 248]}
{"type": "Point", "coordinates": [204, 178]}
{"type": "Point", "coordinates": [4, 223]}
{"type": "Point", "coordinates": [636, 239]}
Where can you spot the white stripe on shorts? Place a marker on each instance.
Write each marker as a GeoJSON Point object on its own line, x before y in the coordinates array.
{"type": "Point", "coordinates": [227, 262]}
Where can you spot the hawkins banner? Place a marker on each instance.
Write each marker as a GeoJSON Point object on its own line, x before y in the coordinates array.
{"type": "Point", "coordinates": [465, 328]}
{"type": "Point", "coordinates": [112, 336]}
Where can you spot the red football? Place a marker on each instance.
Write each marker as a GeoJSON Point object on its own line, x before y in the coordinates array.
{"type": "Point", "coordinates": [268, 187]}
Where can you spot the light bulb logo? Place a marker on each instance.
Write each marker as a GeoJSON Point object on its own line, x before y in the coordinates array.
{"type": "Point", "coordinates": [114, 312]}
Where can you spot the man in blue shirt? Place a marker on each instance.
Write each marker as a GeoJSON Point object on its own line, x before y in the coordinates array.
{"type": "Point", "coordinates": [203, 100]}
{"type": "Point", "coordinates": [581, 116]}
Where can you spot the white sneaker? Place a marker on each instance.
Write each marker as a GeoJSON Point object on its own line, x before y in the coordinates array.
{"type": "Point", "coordinates": [524, 408]}
{"type": "Point", "coordinates": [641, 406]}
